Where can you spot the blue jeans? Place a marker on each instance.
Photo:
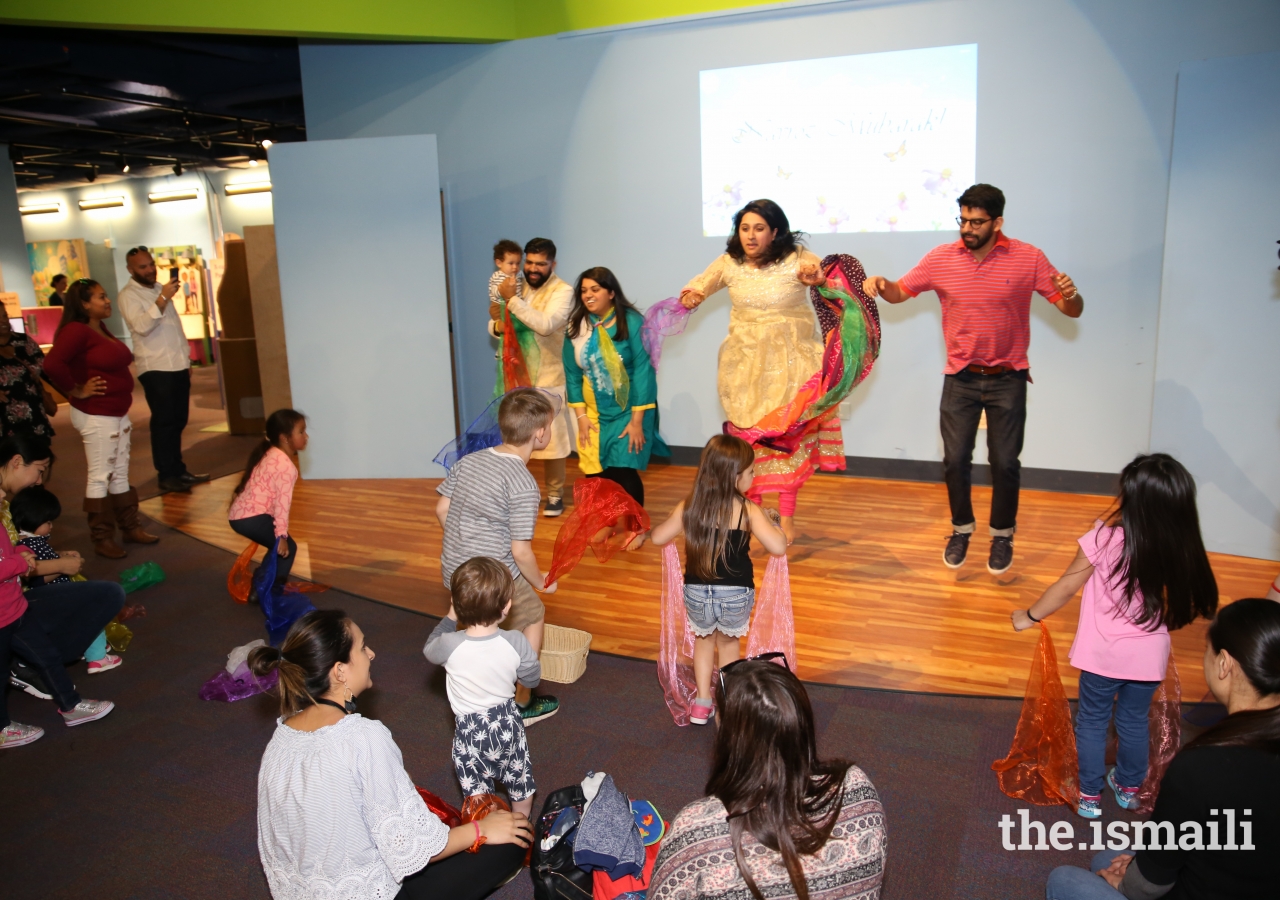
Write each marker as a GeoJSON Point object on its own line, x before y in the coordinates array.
{"type": "Point", "coordinates": [1132, 704]}
{"type": "Point", "coordinates": [60, 623]}
{"type": "Point", "coordinates": [1075, 883]}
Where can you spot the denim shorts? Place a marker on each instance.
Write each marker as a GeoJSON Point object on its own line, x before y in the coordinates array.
{"type": "Point", "coordinates": [719, 607]}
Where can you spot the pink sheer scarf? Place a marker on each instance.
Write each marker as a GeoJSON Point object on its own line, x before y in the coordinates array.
{"type": "Point", "coordinates": [772, 629]}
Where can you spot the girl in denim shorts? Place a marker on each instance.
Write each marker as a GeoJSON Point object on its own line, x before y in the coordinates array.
{"type": "Point", "coordinates": [717, 521]}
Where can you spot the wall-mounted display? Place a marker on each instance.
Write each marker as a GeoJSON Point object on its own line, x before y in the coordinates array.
{"type": "Point", "coordinates": [50, 258]}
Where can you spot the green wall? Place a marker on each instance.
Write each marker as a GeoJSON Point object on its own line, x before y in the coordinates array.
{"type": "Point", "coordinates": [388, 20]}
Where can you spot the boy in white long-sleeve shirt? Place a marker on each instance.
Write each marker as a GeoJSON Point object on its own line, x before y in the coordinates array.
{"type": "Point", "coordinates": [482, 664]}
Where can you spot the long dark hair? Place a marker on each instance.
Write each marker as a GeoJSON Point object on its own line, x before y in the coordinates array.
{"type": "Point", "coordinates": [785, 242]}
{"type": "Point", "coordinates": [1164, 558]}
{"type": "Point", "coordinates": [766, 770]}
{"type": "Point", "coordinates": [76, 299]}
{"type": "Point", "coordinates": [708, 509]}
{"type": "Point", "coordinates": [315, 643]}
{"type": "Point", "coordinates": [279, 424]}
{"type": "Point", "coordinates": [607, 280]}
{"type": "Point", "coordinates": [1249, 630]}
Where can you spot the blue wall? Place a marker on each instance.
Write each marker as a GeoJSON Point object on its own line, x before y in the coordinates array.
{"type": "Point", "coordinates": [14, 261]}
{"type": "Point", "coordinates": [593, 140]}
{"type": "Point", "coordinates": [1217, 397]}
{"type": "Point", "coordinates": [362, 284]}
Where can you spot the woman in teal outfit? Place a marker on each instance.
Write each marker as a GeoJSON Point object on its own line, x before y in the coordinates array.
{"type": "Point", "coordinates": [611, 383]}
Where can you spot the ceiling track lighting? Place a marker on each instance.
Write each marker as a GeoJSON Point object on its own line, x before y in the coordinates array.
{"type": "Point", "coordinates": [177, 168]}
{"type": "Point", "coordinates": [101, 203]}
{"type": "Point", "coordinates": [40, 209]}
{"type": "Point", "coordinates": [169, 196]}
{"type": "Point", "coordinates": [249, 187]}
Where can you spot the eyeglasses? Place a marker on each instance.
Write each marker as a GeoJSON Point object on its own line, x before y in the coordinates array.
{"type": "Point", "coordinates": [134, 251]}
{"type": "Point", "coordinates": [772, 656]}
{"type": "Point", "coordinates": [972, 223]}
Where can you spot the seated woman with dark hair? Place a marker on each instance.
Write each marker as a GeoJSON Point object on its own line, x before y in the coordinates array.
{"type": "Point", "coordinates": [1226, 777]}
{"type": "Point", "coordinates": [338, 815]}
{"type": "Point", "coordinates": [61, 621]}
{"type": "Point", "coordinates": [779, 822]}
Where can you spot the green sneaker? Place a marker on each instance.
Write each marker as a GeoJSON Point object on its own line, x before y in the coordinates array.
{"type": "Point", "coordinates": [540, 707]}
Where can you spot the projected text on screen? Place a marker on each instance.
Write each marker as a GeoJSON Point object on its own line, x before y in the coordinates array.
{"type": "Point", "coordinates": [875, 142]}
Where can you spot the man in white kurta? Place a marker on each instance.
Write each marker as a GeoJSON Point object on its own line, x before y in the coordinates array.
{"type": "Point", "coordinates": [544, 303]}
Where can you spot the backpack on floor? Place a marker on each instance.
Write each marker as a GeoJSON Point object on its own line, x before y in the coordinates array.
{"type": "Point", "coordinates": [555, 877]}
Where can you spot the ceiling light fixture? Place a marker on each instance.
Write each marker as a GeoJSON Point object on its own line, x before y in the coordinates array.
{"type": "Point", "coordinates": [266, 143]}
{"type": "Point", "coordinates": [101, 203]}
{"type": "Point", "coordinates": [168, 196]}
{"type": "Point", "coordinates": [177, 168]}
{"type": "Point", "coordinates": [40, 209]}
{"type": "Point", "coordinates": [247, 187]}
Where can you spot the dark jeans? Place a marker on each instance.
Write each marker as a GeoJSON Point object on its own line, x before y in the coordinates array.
{"type": "Point", "coordinates": [169, 396]}
{"type": "Point", "coordinates": [627, 479]}
{"type": "Point", "coordinates": [1075, 883]}
{"type": "Point", "coordinates": [60, 623]}
{"type": "Point", "coordinates": [464, 876]}
{"type": "Point", "coordinates": [262, 530]}
{"type": "Point", "coordinates": [1004, 399]}
{"type": "Point", "coordinates": [1132, 705]}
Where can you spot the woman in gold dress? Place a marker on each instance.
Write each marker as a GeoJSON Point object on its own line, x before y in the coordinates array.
{"type": "Point", "coordinates": [774, 347]}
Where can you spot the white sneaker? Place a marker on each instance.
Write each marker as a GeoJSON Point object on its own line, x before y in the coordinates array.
{"type": "Point", "coordinates": [16, 734]}
{"type": "Point", "coordinates": [87, 711]}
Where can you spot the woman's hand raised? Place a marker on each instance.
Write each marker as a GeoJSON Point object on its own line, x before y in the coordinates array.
{"type": "Point", "coordinates": [810, 273]}
{"type": "Point", "coordinates": [501, 827]}
{"type": "Point", "coordinates": [96, 386]}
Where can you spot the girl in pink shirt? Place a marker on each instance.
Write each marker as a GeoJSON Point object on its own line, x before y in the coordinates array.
{"type": "Point", "coordinates": [260, 509]}
{"type": "Point", "coordinates": [1144, 573]}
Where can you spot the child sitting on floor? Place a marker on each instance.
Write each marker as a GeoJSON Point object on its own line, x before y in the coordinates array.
{"type": "Point", "coordinates": [483, 663]}
{"type": "Point", "coordinates": [1144, 573]}
{"type": "Point", "coordinates": [717, 521]}
{"type": "Point", "coordinates": [34, 510]}
{"type": "Point", "coordinates": [488, 507]}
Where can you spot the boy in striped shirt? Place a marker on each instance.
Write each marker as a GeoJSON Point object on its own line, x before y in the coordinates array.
{"type": "Point", "coordinates": [488, 506]}
{"type": "Point", "coordinates": [984, 282]}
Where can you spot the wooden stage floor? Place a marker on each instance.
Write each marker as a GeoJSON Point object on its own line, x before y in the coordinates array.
{"type": "Point", "coordinates": [874, 605]}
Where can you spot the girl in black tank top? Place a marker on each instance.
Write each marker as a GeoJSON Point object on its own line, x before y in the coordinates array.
{"type": "Point", "coordinates": [719, 579]}
{"type": "Point", "coordinates": [734, 567]}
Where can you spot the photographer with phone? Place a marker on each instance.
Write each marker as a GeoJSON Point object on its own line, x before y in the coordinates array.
{"type": "Point", "coordinates": [163, 358]}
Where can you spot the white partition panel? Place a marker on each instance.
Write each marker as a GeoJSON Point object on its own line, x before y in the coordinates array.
{"type": "Point", "coordinates": [362, 279]}
{"type": "Point", "coordinates": [1217, 395]}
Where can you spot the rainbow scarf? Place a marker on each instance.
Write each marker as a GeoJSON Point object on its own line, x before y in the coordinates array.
{"type": "Point", "coordinates": [601, 363]}
{"type": "Point", "coordinates": [518, 355]}
{"type": "Point", "coordinates": [851, 342]}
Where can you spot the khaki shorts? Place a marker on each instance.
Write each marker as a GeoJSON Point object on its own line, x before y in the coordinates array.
{"type": "Point", "coordinates": [526, 607]}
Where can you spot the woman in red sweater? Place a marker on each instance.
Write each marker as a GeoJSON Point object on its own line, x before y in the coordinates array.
{"type": "Point", "coordinates": [91, 366]}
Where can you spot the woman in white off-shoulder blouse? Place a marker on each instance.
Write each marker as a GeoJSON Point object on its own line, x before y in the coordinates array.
{"type": "Point", "coordinates": [338, 815]}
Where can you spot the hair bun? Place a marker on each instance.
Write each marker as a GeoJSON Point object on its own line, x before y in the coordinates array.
{"type": "Point", "coordinates": [263, 659]}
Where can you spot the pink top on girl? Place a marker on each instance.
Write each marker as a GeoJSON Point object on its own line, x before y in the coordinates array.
{"type": "Point", "coordinates": [13, 565]}
{"type": "Point", "coordinates": [1108, 642]}
{"type": "Point", "coordinates": [269, 490]}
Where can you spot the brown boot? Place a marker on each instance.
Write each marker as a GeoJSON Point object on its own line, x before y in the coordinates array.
{"type": "Point", "coordinates": [102, 528]}
{"type": "Point", "coordinates": [126, 507]}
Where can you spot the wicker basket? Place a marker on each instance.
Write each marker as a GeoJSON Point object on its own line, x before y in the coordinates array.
{"type": "Point", "coordinates": [564, 653]}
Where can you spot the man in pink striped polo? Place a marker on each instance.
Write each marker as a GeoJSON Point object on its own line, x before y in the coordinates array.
{"type": "Point", "coordinates": [984, 282]}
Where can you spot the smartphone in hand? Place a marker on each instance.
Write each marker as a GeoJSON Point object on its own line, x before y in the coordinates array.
{"type": "Point", "coordinates": [173, 274]}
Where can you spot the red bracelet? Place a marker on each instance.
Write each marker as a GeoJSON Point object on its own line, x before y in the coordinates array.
{"type": "Point", "coordinates": [480, 838]}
